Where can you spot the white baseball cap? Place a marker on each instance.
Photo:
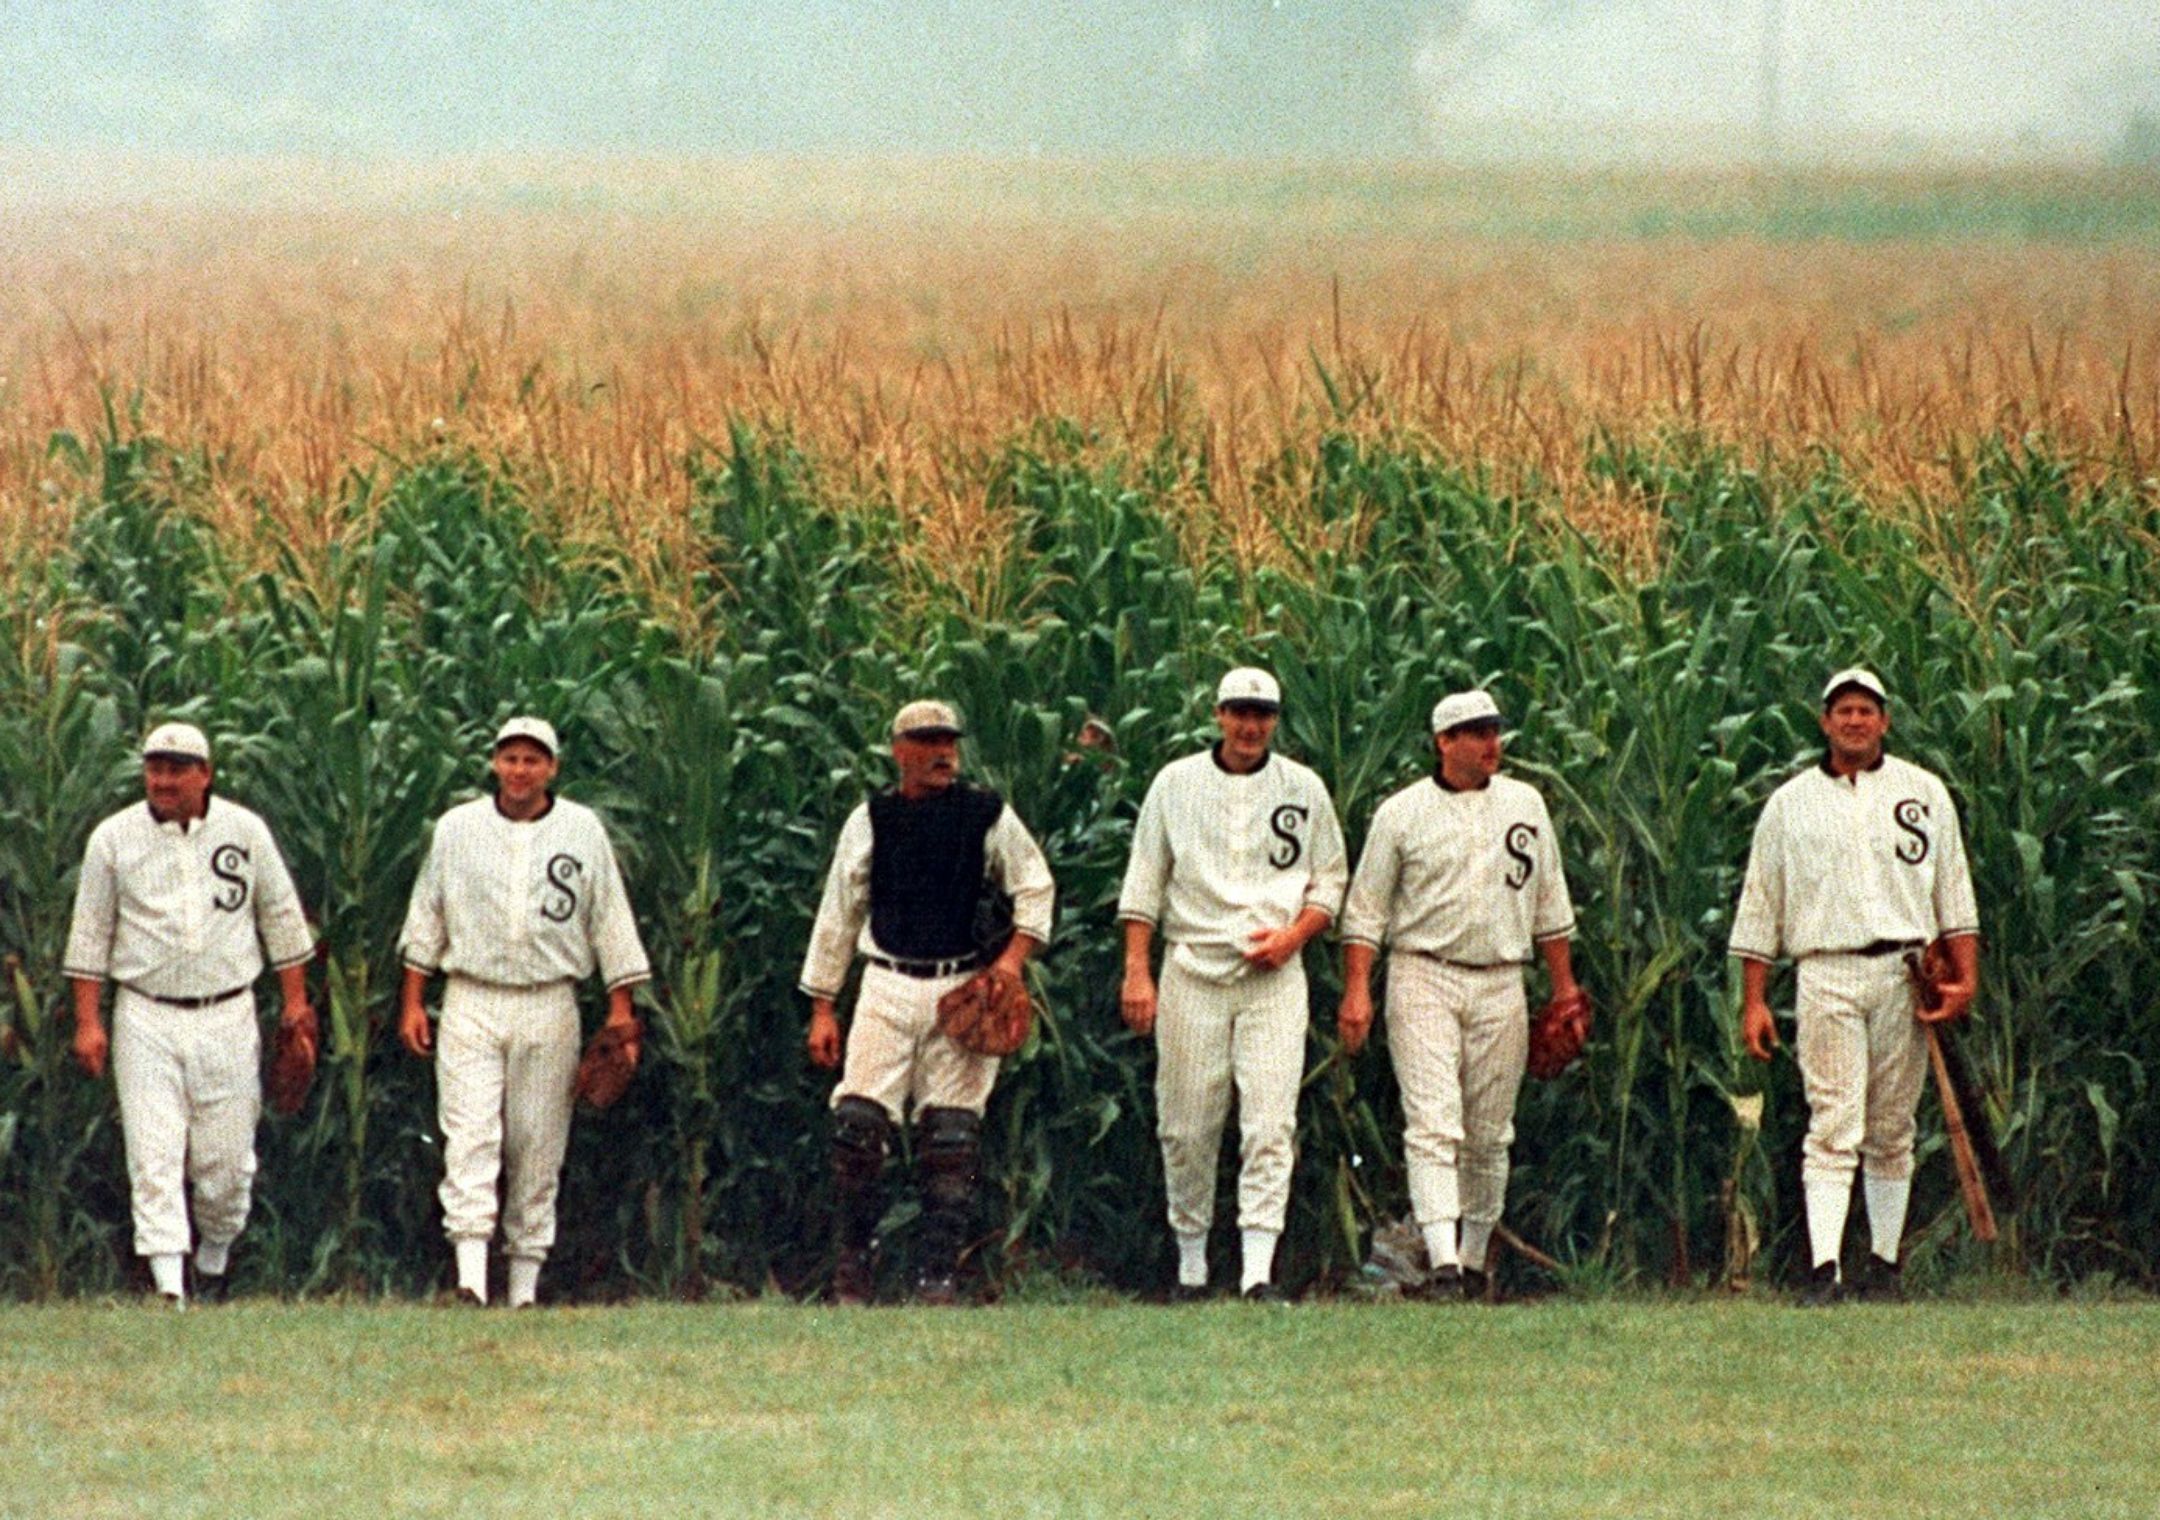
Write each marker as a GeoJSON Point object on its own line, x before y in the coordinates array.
{"type": "Point", "coordinates": [538, 730]}
{"type": "Point", "coordinates": [1460, 707]}
{"type": "Point", "coordinates": [1249, 687]}
{"type": "Point", "coordinates": [181, 741]}
{"type": "Point", "coordinates": [1866, 680]}
{"type": "Point", "coordinates": [926, 719]}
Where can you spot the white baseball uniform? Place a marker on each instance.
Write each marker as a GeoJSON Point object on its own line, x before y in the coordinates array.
{"type": "Point", "coordinates": [516, 913]}
{"type": "Point", "coordinates": [1460, 887]}
{"type": "Point", "coordinates": [1845, 874]}
{"type": "Point", "coordinates": [1216, 856]}
{"type": "Point", "coordinates": [182, 916]}
{"type": "Point", "coordinates": [895, 1056]}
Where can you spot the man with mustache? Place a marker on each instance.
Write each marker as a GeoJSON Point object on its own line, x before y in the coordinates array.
{"type": "Point", "coordinates": [910, 877]}
{"type": "Point", "coordinates": [1857, 862]}
{"type": "Point", "coordinates": [181, 901]}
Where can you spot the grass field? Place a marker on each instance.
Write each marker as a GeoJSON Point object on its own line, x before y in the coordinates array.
{"type": "Point", "coordinates": [1699, 1409]}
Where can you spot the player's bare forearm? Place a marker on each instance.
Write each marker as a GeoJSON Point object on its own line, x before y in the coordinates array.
{"type": "Point", "coordinates": [1559, 964]}
{"type": "Point", "coordinates": [90, 1043]}
{"type": "Point", "coordinates": [1016, 952]}
{"type": "Point", "coordinates": [413, 1028]}
{"type": "Point", "coordinates": [619, 1009]}
{"type": "Point", "coordinates": [292, 992]}
{"type": "Point", "coordinates": [1136, 998]}
{"type": "Point", "coordinates": [1139, 940]}
{"type": "Point", "coordinates": [1353, 1019]}
{"type": "Point", "coordinates": [1757, 1029]}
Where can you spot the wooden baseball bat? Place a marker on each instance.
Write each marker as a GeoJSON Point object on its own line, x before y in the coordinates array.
{"type": "Point", "coordinates": [1970, 1184]}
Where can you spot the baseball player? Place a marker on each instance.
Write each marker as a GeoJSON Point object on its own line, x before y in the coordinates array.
{"type": "Point", "coordinates": [908, 875]}
{"type": "Point", "coordinates": [519, 899]}
{"type": "Point", "coordinates": [181, 902]}
{"type": "Point", "coordinates": [1238, 858]}
{"type": "Point", "coordinates": [1460, 880]}
{"type": "Point", "coordinates": [1857, 862]}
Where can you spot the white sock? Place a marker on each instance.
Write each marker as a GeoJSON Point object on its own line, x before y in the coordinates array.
{"type": "Point", "coordinates": [1192, 1260]}
{"type": "Point", "coordinates": [524, 1281]}
{"type": "Point", "coordinates": [1886, 1200]}
{"type": "Point", "coordinates": [165, 1272]}
{"type": "Point", "coordinates": [472, 1267]}
{"type": "Point", "coordinates": [1477, 1242]}
{"type": "Point", "coordinates": [212, 1257]}
{"type": "Point", "coordinates": [1827, 1200]}
{"type": "Point", "coordinates": [1440, 1243]}
{"type": "Point", "coordinates": [1259, 1257]}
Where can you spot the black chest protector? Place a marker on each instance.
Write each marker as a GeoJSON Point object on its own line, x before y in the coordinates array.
{"type": "Point", "coordinates": [926, 870]}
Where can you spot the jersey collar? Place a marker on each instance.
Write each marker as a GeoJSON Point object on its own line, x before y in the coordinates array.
{"type": "Point", "coordinates": [1827, 769]}
{"type": "Point", "coordinates": [1439, 775]}
{"type": "Point", "coordinates": [182, 824]}
{"type": "Point", "coordinates": [496, 798]}
{"type": "Point", "coordinates": [1215, 754]}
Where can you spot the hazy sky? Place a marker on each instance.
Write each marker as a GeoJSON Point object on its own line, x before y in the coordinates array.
{"type": "Point", "coordinates": [1383, 78]}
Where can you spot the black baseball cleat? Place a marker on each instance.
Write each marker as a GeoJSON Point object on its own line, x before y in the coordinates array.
{"type": "Point", "coordinates": [1442, 1285]}
{"type": "Point", "coordinates": [1822, 1288]}
{"type": "Point", "coordinates": [938, 1290]}
{"type": "Point", "coordinates": [212, 1288]}
{"type": "Point", "coordinates": [1476, 1286]}
{"type": "Point", "coordinates": [1189, 1293]}
{"type": "Point", "coordinates": [1265, 1293]}
{"type": "Point", "coordinates": [1881, 1282]}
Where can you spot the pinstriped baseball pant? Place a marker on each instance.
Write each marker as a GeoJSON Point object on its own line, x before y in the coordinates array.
{"type": "Point", "coordinates": [897, 1058]}
{"type": "Point", "coordinates": [1211, 1036]}
{"type": "Point", "coordinates": [1459, 1039]}
{"type": "Point", "coordinates": [190, 1093]}
{"type": "Point", "coordinates": [1863, 1059]}
{"type": "Point", "coordinates": [505, 1060]}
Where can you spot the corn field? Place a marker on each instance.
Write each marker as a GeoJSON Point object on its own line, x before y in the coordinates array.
{"type": "Point", "coordinates": [1658, 698]}
{"type": "Point", "coordinates": [713, 481]}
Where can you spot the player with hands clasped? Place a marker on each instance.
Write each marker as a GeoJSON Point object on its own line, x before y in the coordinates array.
{"type": "Point", "coordinates": [519, 900]}
{"type": "Point", "coordinates": [1857, 863]}
{"type": "Point", "coordinates": [909, 878]}
{"type": "Point", "coordinates": [179, 900]}
{"type": "Point", "coordinates": [1238, 859]}
{"type": "Point", "coordinates": [1459, 880]}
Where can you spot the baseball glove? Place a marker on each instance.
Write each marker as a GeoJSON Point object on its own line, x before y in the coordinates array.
{"type": "Point", "coordinates": [1930, 968]}
{"type": "Point", "coordinates": [1558, 1033]}
{"type": "Point", "coordinates": [604, 1071]}
{"type": "Point", "coordinates": [292, 1065]}
{"type": "Point", "coordinates": [989, 1013]}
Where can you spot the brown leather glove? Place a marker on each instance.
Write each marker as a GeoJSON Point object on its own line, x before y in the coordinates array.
{"type": "Point", "coordinates": [604, 1071]}
{"type": "Point", "coordinates": [1558, 1033]}
{"type": "Point", "coordinates": [989, 1013]}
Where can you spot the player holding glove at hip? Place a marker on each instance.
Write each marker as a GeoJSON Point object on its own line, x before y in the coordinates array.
{"type": "Point", "coordinates": [1460, 879]}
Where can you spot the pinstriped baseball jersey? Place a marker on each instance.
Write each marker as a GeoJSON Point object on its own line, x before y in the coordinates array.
{"type": "Point", "coordinates": [184, 910]}
{"type": "Point", "coordinates": [1840, 864]}
{"type": "Point", "coordinates": [519, 904]}
{"type": "Point", "coordinates": [1216, 856]}
{"type": "Point", "coordinates": [1470, 876]}
{"type": "Point", "coordinates": [1012, 861]}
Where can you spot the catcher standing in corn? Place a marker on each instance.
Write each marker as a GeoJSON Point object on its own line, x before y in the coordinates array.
{"type": "Point", "coordinates": [909, 876]}
{"type": "Point", "coordinates": [1858, 863]}
{"type": "Point", "coordinates": [519, 899]}
{"type": "Point", "coordinates": [178, 902]}
{"type": "Point", "coordinates": [1238, 858]}
{"type": "Point", "coordinates": [1460, 879]}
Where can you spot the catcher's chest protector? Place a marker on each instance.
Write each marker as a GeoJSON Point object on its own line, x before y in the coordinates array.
{"type": "Point", "coordinates": [926, 870]}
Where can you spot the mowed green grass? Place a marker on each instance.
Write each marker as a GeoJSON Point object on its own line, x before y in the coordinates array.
{"type": "Point", "coordinates": [1598, 1408]}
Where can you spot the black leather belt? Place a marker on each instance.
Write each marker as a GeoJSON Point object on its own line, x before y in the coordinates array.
{"type": "Point", "coordinates": [925, 971]}
{"type": "Point", "coordinates": [211, 1001]}
{"type": "Point", "coordinates": [1886, 947]}
{"type": "Point", "coordinates": [1427, 955]}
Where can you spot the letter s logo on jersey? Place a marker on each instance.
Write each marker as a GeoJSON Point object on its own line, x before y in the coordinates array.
{"type": "Point", "coordinates": [1908, 816]}
{"type": "Point", "coordinates": [227, 862]}
{"type": "Point", "coordinates": [1518, 840]}
{"type": "Point", "coordinates": [1287, 823]}
{"type": "Point", "coordinates": [561, 899]}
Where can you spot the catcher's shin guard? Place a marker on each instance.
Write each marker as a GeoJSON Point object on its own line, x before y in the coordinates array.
{"type": "Point", "coordinates": [948, 1160]}
{"type": "Point", "coordinates": [861, 1136]}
